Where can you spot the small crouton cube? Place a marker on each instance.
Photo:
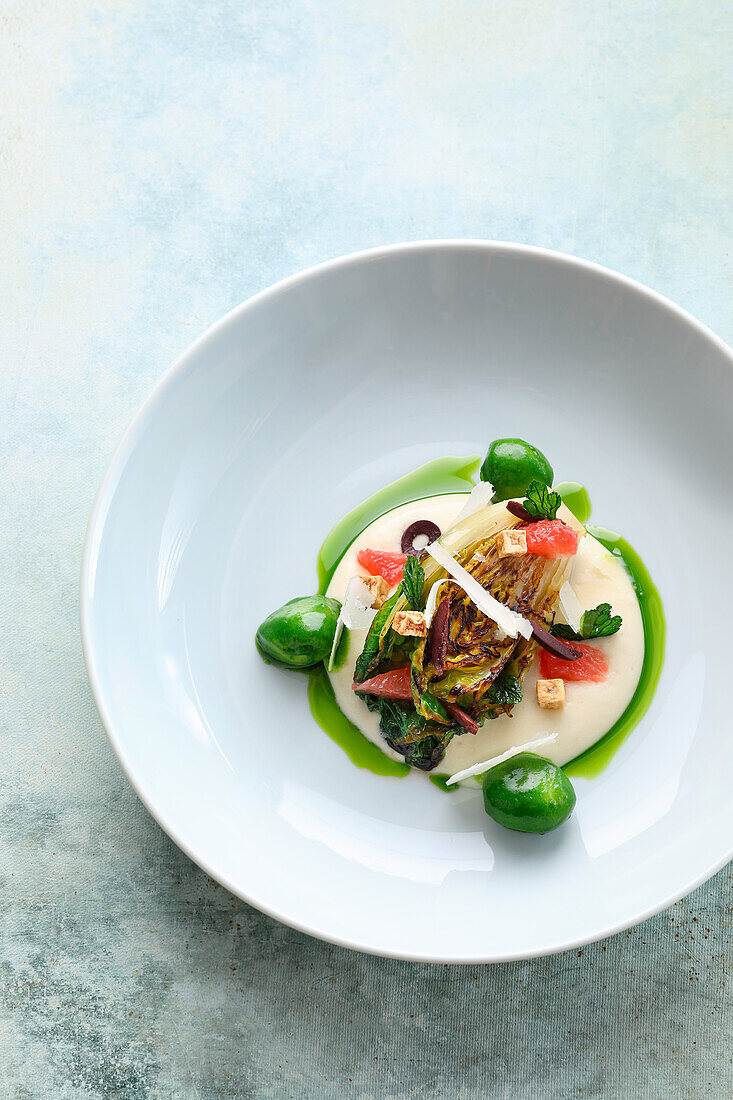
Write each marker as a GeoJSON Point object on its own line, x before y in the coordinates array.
{"type": "Point", "coordinates": [410, 624]}
{"type": "Point", "coordinates": [551, 694]}
{"type": "Point", "coordinates": [512, 543]}
{"type": "Point", "coordinates": [379, 590]}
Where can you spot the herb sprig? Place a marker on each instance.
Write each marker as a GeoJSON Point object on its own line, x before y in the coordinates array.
{"type": "Point", "coordinates": [413, 583]}
{"type": "Point", "coordinates": [541, 502]}
{"type": "Point", "coordinates": [596, 623]}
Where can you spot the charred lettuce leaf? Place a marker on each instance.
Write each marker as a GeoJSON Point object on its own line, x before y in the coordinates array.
{"type": "Point", "coordinates": [506, 690]}
{"type": "Point", "coordinates": [425, 702]}
{"type": "Point", "coordinates": [477, 650]}
{"type": "Point", "coordinates": [422, 743]}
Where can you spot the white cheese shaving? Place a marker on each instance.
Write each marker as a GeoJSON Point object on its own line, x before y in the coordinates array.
{"type": "Point", "coordinates": [479, 497]}
{"type": "Point", "coordinates": [571, 606]}
{"type": "Point", "coordinates": [356, 613]}
{"type": "Point", "coordinates": [477, 769]}
{"type": "Point", "coordinates": [432, 603]}
{"type": "Point", "coordinates": [507, 620]}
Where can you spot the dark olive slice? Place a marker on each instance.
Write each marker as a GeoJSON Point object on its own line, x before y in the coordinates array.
{"type": "Point", "coordinates": [439, 636]}
{"type": "Point", "coordinates": [519, 511]}
{"type": "Point", "coordinates": [419, 527]}
{"type": "Point", "coordinates": [553, 645]}
{"type": "Point", "coordinates": [458, 715]}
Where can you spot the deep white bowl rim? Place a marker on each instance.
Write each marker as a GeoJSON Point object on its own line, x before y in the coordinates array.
{"type": "Point", "coordinates": [106, 491]}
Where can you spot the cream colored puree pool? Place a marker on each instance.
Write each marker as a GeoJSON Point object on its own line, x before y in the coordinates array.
{"type": "Point", "coordinates": [590, 708]}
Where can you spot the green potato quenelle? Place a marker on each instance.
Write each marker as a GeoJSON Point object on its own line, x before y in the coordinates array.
{"type": "Point", "coordinates": [528, 794]}
{"type": "Point", "coordinates": [511, 465]}
{"type": "Point", "coordinates": [300, 633]}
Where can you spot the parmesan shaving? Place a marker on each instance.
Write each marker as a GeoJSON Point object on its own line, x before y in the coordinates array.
{"type": "Point", "coordinates": [479, 497]}
{"type": "Point", "coordinates": [507, 620]}
{"type": "Point", "coordinates": [571, 606]}
{"type": "Point", "coordinates": [477, 769]}
{"type": "Point", "coordinates": [356, 613]}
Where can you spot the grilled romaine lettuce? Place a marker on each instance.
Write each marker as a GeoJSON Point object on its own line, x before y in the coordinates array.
{"type": "Point", "coordinates": [483, 668]}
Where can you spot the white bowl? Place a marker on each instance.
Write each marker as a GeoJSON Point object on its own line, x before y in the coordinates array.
{"type": "Point", "coordinates": [282, 417]}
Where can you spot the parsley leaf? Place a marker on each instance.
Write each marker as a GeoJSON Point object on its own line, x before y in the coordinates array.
{"type": "Point", "coordinates": [596, 623]}
{"type": "Point", "coordinates": [413, 582]}
{"type": "Point", "coordinates": [541, 502]}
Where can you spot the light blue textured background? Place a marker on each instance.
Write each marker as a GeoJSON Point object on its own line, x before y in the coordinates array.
{"type": "Point", "coordinates": [162, 160]}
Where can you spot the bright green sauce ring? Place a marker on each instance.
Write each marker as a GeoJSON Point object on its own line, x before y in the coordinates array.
{"type": "Point", "coordinates": [592, 762]}
{"type": "Point", "coordinates": [436, 478]}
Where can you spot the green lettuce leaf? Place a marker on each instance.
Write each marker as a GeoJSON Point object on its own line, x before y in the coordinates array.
{"type": "Point", "coordinates": [375, 641]}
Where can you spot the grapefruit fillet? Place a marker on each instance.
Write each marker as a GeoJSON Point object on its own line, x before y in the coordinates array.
{"type": "Point", "coordinates": [383, 563]}
{"type": "Point", "coordinates": [592, 666]}
{"type": "Point", "coordinates": [388, 685]}
{"type": "Point", "coordinates": [551, 538]}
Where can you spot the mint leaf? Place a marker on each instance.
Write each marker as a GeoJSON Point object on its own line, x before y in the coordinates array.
{"type": "Point", "coordinates": [596, 623]}
{"type": "Point", "coordinates": [599, 622]}
{"type": "Point", "coordinates": [562, 630]}
{"type": "Point", "coordinates": [505, 690]}
{"type": "Point", "coordinates": [541, 502]}
{"type": "Point", "coordinates": [413, 582]}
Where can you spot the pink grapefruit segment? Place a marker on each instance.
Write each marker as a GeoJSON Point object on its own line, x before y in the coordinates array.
{"type": "Point", "coordinates": [551, 538]}
{"type": "Point", "coordinates": [591, 666]}
{"type": "Point", "coordinates": [388, 685]}
{"type": "Point", "coordinates": [383, 563]}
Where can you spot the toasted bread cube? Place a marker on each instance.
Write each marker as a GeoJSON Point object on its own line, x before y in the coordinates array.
{"type": "Point", "coordinates": [410, 624]}
{"type": "Point", "coordinates": [551, 694]}
{"type": "Point", "coordinates": [379, 590]}
{"type": "Point", "coordinates": [512, 543]}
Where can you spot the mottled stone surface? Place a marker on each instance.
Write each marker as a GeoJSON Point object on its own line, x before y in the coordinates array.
{"type": "Point", "coordinates": [161, 160]}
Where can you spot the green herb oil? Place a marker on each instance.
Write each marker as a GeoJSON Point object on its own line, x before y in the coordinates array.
{"type": "Point", "coordinates": [441, 781]}
{"type": "Point", "coordinates": [575, 497]}
{"type": "Point", "coordinates": [591, 762]}
{"type": "Point", "coordinates": [359, 749]}
{"type": "Point", "coordinates": [436, 478]}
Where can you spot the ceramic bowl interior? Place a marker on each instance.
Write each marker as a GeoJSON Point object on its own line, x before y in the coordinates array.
{"type": "Point", "coordinates": [285, 415]}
